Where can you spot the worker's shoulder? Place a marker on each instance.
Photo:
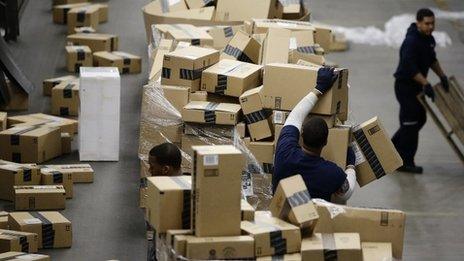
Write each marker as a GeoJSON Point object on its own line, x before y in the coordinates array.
{"type": "Point", "coordinates": [333, 168]}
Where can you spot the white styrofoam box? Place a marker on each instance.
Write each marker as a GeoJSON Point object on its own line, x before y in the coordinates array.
{"type": "Point", "coordinates": [99, 113]}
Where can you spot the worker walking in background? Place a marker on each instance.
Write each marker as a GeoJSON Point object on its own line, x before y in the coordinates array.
{"type": "Point", "coordinates": [417, 56]}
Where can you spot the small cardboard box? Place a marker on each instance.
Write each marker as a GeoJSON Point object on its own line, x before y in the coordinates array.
{"type": "Point", "coordinates": [337, 145]}
{"type": "Point", "coordinates": [292, 203]}
{"type": "Point", "coordinates": [287, 257]}
{"type": "Point", "coordinates": [241, 10]}
{"type": "Point", "coordinates": [65, 99]}
{"type": "Point", "coordinates": [60, 12]}
{"type": "Point", "coordinates": [30, 143]}
{"type": "Point", "coordinates": [131, 63]}
{"type": "Point", "coordinates": [108, 59]}
{"type": "Point", "coordinates": [17, 256]}
{"type": "Point", "coordinates": [190, 34]}
{"type": "Point", "coordinates": [343, 246]}
{"type": "Point", "coordinates": [3, 120]}
{"type": "Point", "coordinates": [3, 220]}
{"type": "Point", "coordinates": [323, 37]}
{"type": "Point", "coordinates": [48, 84]}
{"type": "Point", "coordinates": [65, 125]}
{"type": "Point", "coordinates": [289, 9]}
{"type": "Point", "coordinates": [177, 96]}
{"type": "Point", "coordinates": [263, 152]}
{"type": "Point", "coordinates": [77, 56]}
{"type": "Point", "coordinates": [52, 176]}
{"type": "Point", "coordinates": [83, 16]}
{"type": "Point", "coordinates": [97, 42]}
{"type": "Point", "coordinates": [276, 45]}
{"type": "Point", "coordinates": [13, 174]}
{"type": "Point", "coordinates": [213, 175]}
{"type": "Point", "coordinates": [212, 113]}
{"type": "Point", "coordinates": [18, 241]}
{"type": "Point", "coordinates": [184, 66]}
{"type": "Point", "coordinates": [80, 173]}
{"type": "Point", "coordinates": [230, 77]}
{"type": "Point", "coordinates": [376, 155]}
{"type": "Point", "coordinates": [248, 211]}
{"type": "Point", "coordinates": [257, 118]}
{"type": "Point", "coordinates": [242, 47]}
{"type": "Point", "coordinates": [52, 228]}
{"type": "Point", "coordinates": [66, 143]}
{"type": "Point", "coordinates": [222, 35]}
{"type": "Point", "coordinates": [376, 251]}
{"type": "Point", "coordinates": [49, 197]}
{"type": "Point", "coordinates": [216, 248]}
{"type": "Point", "coordinates": [168, 202]}
{"type": "Point", "coordinates": [273, 236]}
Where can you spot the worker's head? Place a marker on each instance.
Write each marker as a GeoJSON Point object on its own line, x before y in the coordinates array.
{"type": "Point", "coordinates": [425, 21]}
{"type": "Point", "coordinates": [314, 133]}
{"type": "Point", "coordinates": [165, 160]}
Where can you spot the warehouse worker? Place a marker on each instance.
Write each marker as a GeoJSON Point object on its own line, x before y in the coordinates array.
{"type": "Point", "coordinates": [323, 178]}
{"type": "Point", "coordinates": [417, 55]}
{"type": "Point", "coordinates": [165, 160]}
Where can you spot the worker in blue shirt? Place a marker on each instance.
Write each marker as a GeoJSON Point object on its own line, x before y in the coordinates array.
{"type": "Point", "coordinates": [417, 56]}
{"type": "Point", "coordinates": [323, 179]}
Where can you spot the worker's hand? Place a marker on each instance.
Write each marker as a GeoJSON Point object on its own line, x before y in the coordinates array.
{"type": "Point", "coordinates": [428, 90]}
{"type": "Point", "coordinates": [444, 83]}
{"type": "Point", "coordinates": [326, 76]}
{"type": "Point", "coordinates": [350, 157]}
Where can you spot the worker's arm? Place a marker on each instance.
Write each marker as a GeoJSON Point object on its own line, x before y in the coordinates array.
{"type": "Point", "coordinates": [436, 68]}
{"type": "Point", "coordinates": [426, 86]}
{"type": "Point", "coordinates": [419, 78]}
{"type": "Point", "coordinates": [347, 188]}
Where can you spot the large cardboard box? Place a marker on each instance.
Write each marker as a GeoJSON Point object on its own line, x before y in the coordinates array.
{"type": "Point", "coordinates": [184, 66]}
{"type": "Point", "coordinates": [373, 225]}
{"type": "Point", "coordinates": [18, 256]}
{"type": "Point", "coordinates": [212, 113]}
{"type": "Point", "coordinates": [263, 151]}
{"type": "Point", "coordinates": [131, 63]}
{"type": "Point", "coordinates": [97, 42]}
{"type": "Point", "coordinates": [292, 203]}
{"type": "Point", "coordinates": [222, 34]}
{"type": "Point", "coordinates": [168, 202]}
{"type": "Point", "coordinates": [30, 143]}
{"type": "Point", "coordinates": [176, 95]}
{"type": "Point", "coordinates": [65, 99]}
{"type": "Point", "coordinates": [276, 45]}
{"type": "Point", "coordinates": [3, 120]}
{"type": "Point", "coordinates": [80, 173]}
{"type": "Point", "coordinates": [65, 125]}
{"type": "Point", "coordinates": [240, 10]}
{"type": "Point", "coordinates": [257, 118]}
{"type": "Point", "coordinates": [287, 257]}
{"type": "Point", "coordinates": [248, 211]}
{"type": "Point", "coordinates": [99, 114]}
{"type": "Point", "coordinates": [273, 236]}
{"type": "Point", "coordinates": [48, 197]}
{"type": "Point", "coordinates": [213, 175]}
{"type": "Point", "coordinates": [373, 251]}
{"type": "Point", "coordinates": [83, 16]}
{"type": "Point", "coordinates": [48, 84]}
{"type": "Point", "coordinates": [242, 47]}
{"type": "Point", "coordinates": [51, 176]}
{"type": "Point", "coordinates": [3, 220]}
{"type": "Point", "coordinates": [13, 174]}
{"type": "Point", "coordinates": [284, 85]}
{"type": "Point", "coordinates": [337, 145]}
{"type": "Point", "coordinates": [18, 241]}
{"type": "Point", "coordinates": [77, 56]}
{"type": "Point", "coordinates": [52, 228]}
{"type": "Point", "coordinates": [376, 155]}
{"type": "Point", "coordinates": [342, 246]}
{"type": "Point", "coordinates": [216, 248]}
{"type": "Point", "coordinates": [230, 77]}
{"type": "Point", "coordinates": [188, 33]}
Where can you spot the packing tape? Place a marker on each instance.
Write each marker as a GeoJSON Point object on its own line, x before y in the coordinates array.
{"type": "Point", "coordinates": [67, 91]}
{"type": "Point", "coordinates": [166, 73]}
{"type": "Point", "coordinates": [191, 75]}
{"type": "Point", "coordinates": [237, 53]}
{"type": "Point", "coordinates": [256, 116]}
{"type": "Point", "coordinates": [306, 49]}
{"type": "Point", "coordinates": [278, 242]}
{"type": "Point", "coordinates": [330, 249]}
{"type": "Point", "coordinates": [369, 153]}
{"type": "Point", "coordinates": [186, 207]}
{"type": "Point", "coordinates": [80, 54]}
{"type": "Point", "coordinates": [221, 85]}
{"type": "Point", "coordinates": [81, 16]}
{"type": "Point", "coordinates": [57, 177]}
{"type": "Point", "coordinates": [228, 32]}
{"type": "Point", "coordinates": [297, 199]}
{"type": "Point", "coordinates": [208, 2]}
{"type": "Point", "coordinates": [48, 234]}
{"type": "Point", "coordinates": [143, 183]}
{"type": "Point", "coordinates": [65, 15]}
{"type": "Point", "coordinates": [195, 42]}
{"type": "Point", "coordinates": [22, 240]}
{"type": "Point", "coordinates": [113, 43]}
{"type": "Point", "coordinates": [27, 174]}
{"type": "Point", "coordinates": [64, 111]}
{"type": "Point", "coordinates": [210, 115]}
{"type": "Point", "coordinates": [193, 194]}
{"type": "Point", "coordinates": [277, 258]}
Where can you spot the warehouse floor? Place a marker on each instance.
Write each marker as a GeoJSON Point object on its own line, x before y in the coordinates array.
{"type": "Point", "coordinates": [107, 223]}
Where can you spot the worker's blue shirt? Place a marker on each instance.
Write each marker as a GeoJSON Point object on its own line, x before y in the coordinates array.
{"type": "Point", "coordinates": [417, 54]}
{"type": "Point", "coordinates": [322, 177]}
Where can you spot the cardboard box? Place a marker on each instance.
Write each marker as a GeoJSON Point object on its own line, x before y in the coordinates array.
{"type": "Point", "coordinates": [18, 256]}
{"type": "Point", "coordinates": [342, 246]}
{"type": "Point", "coordinates": [97, 42]}
{"type": "Point", "coordinates": [80, 173]}
{"type": "Point", "coordinates": [198, 96]}
{"type": "Point", "coordinates": [184, 66]}
{"type": "Point", "coordinates": [212, 113]}
{"type": "Point", "coordinates": [51, 176]}
{"type": "Point", "coordinates": [276, 45]}
{"type": "Point", "coordinates": [212, 175]}
{"type": "Point", "coordinates": [242, 47]}
{"type": "Point", "coordinates": [257, 118]}
{"type": "Point", "coordinates": [288, 257]}
{"type": "Point", "coordinates": [60, 12]}
{"type": "Point", "coordinates": [260, 26]}
{"type": "Point", "coordinates": [18, 241]}
{"type": "Point", "coordinates": [273, 236]}
{"type": "Point", "coordinates": [65, 99]}
{"type": "Point", "coordinates": [240, 130]}
{"type": "Point", "coordinates": [179, 245]}
{"type": "Point", "coordinates": [108, 59]}
{"type": "Point", "coordinates": [83, 16]}
{"type": "Point", "coordinates": [301, 39]}
{"type": "Point", "coordinates": [165, 46]}
{"type": "Point", "coordinates": [171, 233]}
{"type": "Point", "coordinates": [77, 56]}
{"type": "Point", "coordinates": [222, 35]}
{"type": "Point", "coordinates": [376, 155]}
{"type": "Point", "coordinates": [311, 53]}
{"type": "Point", "coordinates": [66, 143]}
{"type": "Point", "coordinates": [373, 225]}
{"type": "Point", "coordinates": [13, 174]}
{"type": "Point", "coordinates": [230, 77]}
{"type": "Point", "coordinates": [323, 36]}
{"type": "Point", "coordinates": [289, 9]}
{"type": "Point", "coordinates": [178, 97]}
{"type": "Point", "coordinates": [3, 219]}
{"type": "Point", "coordinates": [19, 99]}
{"type": "Point", "coordinates": [215, 248]}
{"type": "Point", "coordinates": [337, 145]}
{"type": "Point", "coordinates": [248, 211]}
{"type": "Point", "coordinates": [50, 197]}
{"type": "Point", "coordinates": [168, 202]}
{"type": "Point", "coordinates": [30, 143]}
{"type": "Point", "coordinates": [188, 33]}
{"type": "Point", "coordinates": [193, 4]}
{"type": "Point", "coordinates": [48, 84]}
{"type": "Point", "coordinates": [373, 251]}
{"type": "Point", "coordinates": [99, 118]}
{"type": "Point", "coordinates": [292, 203]}
{"type": "Point", "coordinates": [263, 152]}
{"type": "Point", "coordinates": [299, 81]}
{"type": "Point", "coordinates": [218, 98]}
{"type": "Point", "coordinates": [52, 228]}
{"type": "Point", "coordinates": [65, 125]}
{"type": "Point", "coordinates": [131, 63]}
{"type": "Point", "coordinates": [240, 10]}
{"type": "Point", "coordinates": [3, 120]}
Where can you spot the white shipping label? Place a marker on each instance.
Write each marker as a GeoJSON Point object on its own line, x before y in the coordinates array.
{"type": "Point", "coordinates": [247, 184]}
{"type": "Point", "coordinates": [31, 221]}
{"type": "Point", "coordinates": [293, 44]}
{"type": "Point", "coordinates": [278, 117]}
{"type": "Point", "coordinates": [358, 153]}
{"type": "Point", "coordinates": [210, 160]}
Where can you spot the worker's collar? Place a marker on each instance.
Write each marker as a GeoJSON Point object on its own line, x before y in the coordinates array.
{"type": "Point", "coordinates": [309, 152]}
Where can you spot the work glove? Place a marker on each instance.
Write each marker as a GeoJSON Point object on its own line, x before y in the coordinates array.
{"type": "Point", "coordinates": [326, 76]}
{"type": "Point", "coordinates": [444, 83]}
{"type": "Point", "coordinates": [428, 90]}
{"type": "Point", "coordinates": [350, 157]}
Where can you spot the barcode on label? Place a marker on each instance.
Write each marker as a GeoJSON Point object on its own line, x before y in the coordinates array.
{"type": "Point", "coordinates": [278, 117]}
{"type": "Point", "coordinates": [210, 160]}
{"type": "Point", "coordinates": [292, 44]}
{"type": "Point", "coordinates": [31, 221]}
{"type": "Point", "coordinates": [247, 184]}
{"type": "Point", "coordinates": [358, 153]}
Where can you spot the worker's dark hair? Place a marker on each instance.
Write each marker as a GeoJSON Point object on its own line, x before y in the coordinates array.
{"type": "Point", "coordinates": [315, 132]}
{"type": "Point", "coordinates": [423, 12]}
{"type": "Point", "coordinates": [167, 154]}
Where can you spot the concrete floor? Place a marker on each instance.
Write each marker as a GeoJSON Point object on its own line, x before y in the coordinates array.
{"type": "Point", "coordinates": [106, 221]}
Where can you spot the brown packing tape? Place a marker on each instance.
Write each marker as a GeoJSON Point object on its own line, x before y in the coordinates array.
{"type": "Point", "coordinates": [48, 233]}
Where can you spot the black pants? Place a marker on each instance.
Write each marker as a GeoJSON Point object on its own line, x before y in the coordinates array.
{"type": "Point", "coordinates": [412, 118]}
